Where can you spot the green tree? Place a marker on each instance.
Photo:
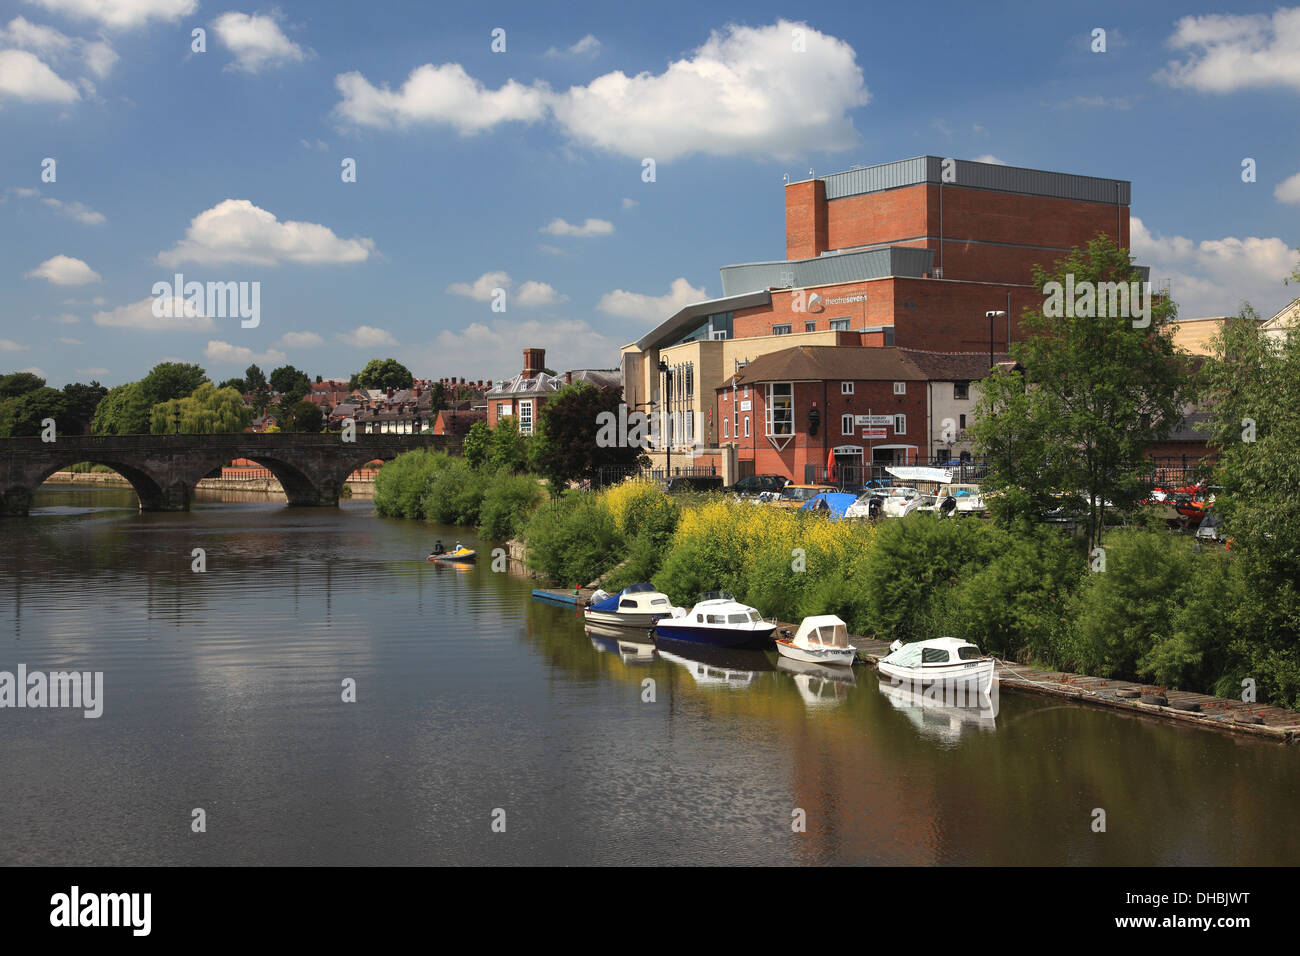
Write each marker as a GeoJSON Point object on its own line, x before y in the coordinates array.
{"type": "Point", "coordinates": [23, 416]}
{"type": "Point", "coordinates": [384, 374]}
{"type": "Point", "coordinates": [236, 383]}
{"type": "Point", "coordinates": [305, 417]}
{"type": "Point", "coordinates": [1253, 385]}
{"type": "Point", "coordinates": [210, 410]}
{"type": "Point", "coordinates": [170, 380]}
{"type": "Point", "coordinates": [507, 448]}
{"type": "Point", "coordinates": [475, 445]}
{"type": "Point", "coordinates": [437, 398]}
{"type": "Point", "coordinates": [82, 400]}
{"type": "Point", "coordinates": [1096, 392]}
{"type": "Point", "coordinates": [123, 411]}
{"type": "Point", "coordinates": [19, 383]}
{"type": "Point", "coordinates": [566, 447]}
{"type": "Point", "coordinates": [291, 383]}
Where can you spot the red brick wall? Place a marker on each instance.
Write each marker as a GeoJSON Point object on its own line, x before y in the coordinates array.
{"type": "Point", "coordinates": [869, 396]}
{"type": "Point", "coordinates": [805, 219]}
{"type": "Point", "coordinates": [884, 217]}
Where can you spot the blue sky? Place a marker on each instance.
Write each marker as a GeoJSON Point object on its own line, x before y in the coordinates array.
{"type": "Point", "coordinates": [225, 165]}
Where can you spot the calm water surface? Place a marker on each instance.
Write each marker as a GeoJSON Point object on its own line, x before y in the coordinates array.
{"type": "Point", "coordinates": [223, 691]}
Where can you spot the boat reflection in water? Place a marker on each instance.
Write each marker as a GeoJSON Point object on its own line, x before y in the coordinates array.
{"type": "Point", "coordinates": [633, 646]}
{"type": "Point", "coordinates": [942, 710]}
{"type": "Point", "coordinates": [819, 685]}
{"type": "Point", "coordinates": [713, 666]}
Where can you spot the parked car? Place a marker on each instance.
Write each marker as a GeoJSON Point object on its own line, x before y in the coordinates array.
{"type": "Point", "coordinates": [694, 483]}
{"type": "Point", "coordinates": [793, 496]}
{"type": "Point", "coordinates": [757, 484]}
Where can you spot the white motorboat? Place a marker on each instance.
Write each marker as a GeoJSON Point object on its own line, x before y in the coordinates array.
{"type": "Point", "coordinates": [944, 660]}
{"type": "Point", "coordinates": [717, 619]}
{"type": "Point", "coordinates": [637, 605]}
{"type": "Point", "coordinates": [821, 639]}
{"type": "Point", "coordinates": [967, 499]}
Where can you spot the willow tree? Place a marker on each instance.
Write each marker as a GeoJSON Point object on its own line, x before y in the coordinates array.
{"type": "Point", "coordinates": [208, 410]}
{"type": "Point", "coordinates": [1101, 382]}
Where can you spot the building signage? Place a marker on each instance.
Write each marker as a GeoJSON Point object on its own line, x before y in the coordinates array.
{"type": "Point", "coordinates": [873, 433]}
{"type": "Point", "coordinates": [873, 420]}
{"type": "Point", "coordinates": [846, 450]}
{"type": "Point", "coordinates": [846, 298]}
{"type": "Point", "coordinates": [746, 406]}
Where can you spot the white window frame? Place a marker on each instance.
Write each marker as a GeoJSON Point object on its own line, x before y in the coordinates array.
{"type": "Point", "coordinates": [726, 427]}
{"type": "Point", "coordinates": [841, 325]}
{"type": "Point", "coordinates": [769, 410]}
{"type": "Point", "coordinates": [900, 424]}
{"type": "Point", "coordinates": [786, 328]}
{"type": "Point", "coordinates": [846, 388]}
{"type": "Point", "coordinates": [746, 426]}
{"type": "Point", "coordinates": [846, 424]}
{"type": "Point", "coordinates": [900, 388]}
{"type": "Point", "coordinates": [505, 410]}
{"type": "Point", "coordinates": [526, 428]}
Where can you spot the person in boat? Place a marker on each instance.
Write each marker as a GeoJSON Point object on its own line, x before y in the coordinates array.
{"type": "Point", "coordinates": [456, 550]}
{"type": "Point", "coordinates": [437, 547]}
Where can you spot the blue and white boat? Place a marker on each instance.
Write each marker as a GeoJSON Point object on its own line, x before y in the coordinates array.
{"type": "Point", "coordinates": [718, 620]}
{"type": "Point", "coordinates": [637, 605]}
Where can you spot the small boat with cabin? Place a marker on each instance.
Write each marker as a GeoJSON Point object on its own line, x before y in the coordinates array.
{"type": "Point", "coordinates": [822, 639]}
{"type": "Point", "coordinates": [717, 619]}
{"type": "Point", "coordinates": [945, 660]}
{"type": "Point", "coordinates": [637, 605]}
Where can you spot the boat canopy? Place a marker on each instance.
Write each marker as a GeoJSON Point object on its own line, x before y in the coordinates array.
{"type": "Point", "coordinates": [834, 502]}
{"type": "Point", "coordinates": [640, 588]}
{"type": "Point", "coordinates": [940, 476]}
{"type": "Point", "coordinates": [824, 629]}
{"type": "Point", "coordinates": [715, 596]}
{"type": "Point", "coordinates": [937, 650]}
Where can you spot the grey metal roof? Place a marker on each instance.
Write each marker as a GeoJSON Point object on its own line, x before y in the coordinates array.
{"type": "Point", "coordinates": [1012, 179]}
{"type": "Point", "coordinates": [838, 267]}
{"type": "Point", "coordinates": [681, 323]}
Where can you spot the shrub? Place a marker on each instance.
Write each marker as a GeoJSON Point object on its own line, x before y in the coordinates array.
{"type": "Point", "coordinates": [401, 484]}
{"type": "Point", "coordinates": [507, 501]}
{"type": "Point", "coordinates": [572, 540]}
{"type": "Point", "coordinates": [455, 494]}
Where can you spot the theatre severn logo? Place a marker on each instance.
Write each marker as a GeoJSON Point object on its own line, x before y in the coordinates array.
{"type": "Point", "coordinates": [179, 299]}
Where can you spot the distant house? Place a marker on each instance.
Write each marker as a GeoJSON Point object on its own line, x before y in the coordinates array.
{"type": "Point", "coordinates": [1286, 322]}
{"type": "Point", "coordinates": [456, 422]}
{"type": "Point", "coordinates": [523, 396]}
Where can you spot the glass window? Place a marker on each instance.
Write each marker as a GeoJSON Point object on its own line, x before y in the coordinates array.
{"type": "Point", "coordinates": [846, 424]}
{"type": "Point", "coordinates": [961, 390]}
{"type": "Point", "coordinates": [505, 409]}
{"type": "Point", "coordinates": [746, 426]}
{"type": "Point", "coordinates": [839, 325]}
{"type": "Point", "coordinates": [810, 326]}
{"type": "Point", "coordinates": [900, 424]}
{"type": "Point", "coordinates": [726, 428]}
{"type": "Point", "coordinates": [781, 330]}
{"type": "Point", "coordinates": [900, 388]}
{"type": "Point", "coordinates": [934, 655]}
{"type": "Point", "coordinates": [526, 418]}
{"type": "Point", "coordinates": [846, 388]}
{"type": "Point", "coordinates": [737, 618]}
{"type": "Point", "coordinates": [961, 422]}
{"type": "Point", "coordinates": [780, 408]}
{"type": "Point", "coordinates": [969, 653]}
{"type": "Point", "coordinates": [628, 603]}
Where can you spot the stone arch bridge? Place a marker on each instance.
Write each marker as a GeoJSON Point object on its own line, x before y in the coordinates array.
{"type": "Point", "coordinates": [164, 469]}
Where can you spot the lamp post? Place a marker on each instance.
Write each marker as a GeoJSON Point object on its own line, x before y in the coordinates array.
{"type": "Point", "coordinates": [176, 418]}
{"type": "Point", "coordinates": [668, 444]}
{"type": "Point", "coordinates": [991, 316]}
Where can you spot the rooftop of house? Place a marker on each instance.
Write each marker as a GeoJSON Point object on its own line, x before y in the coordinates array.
{"type": "Point", "coordinates": [816, 363]}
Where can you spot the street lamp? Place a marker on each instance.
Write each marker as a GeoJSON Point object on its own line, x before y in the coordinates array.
{"type": "Point", "coordinates": [991, 316]}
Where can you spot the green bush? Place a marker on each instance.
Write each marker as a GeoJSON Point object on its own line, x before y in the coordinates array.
{"type": "Point", "coordinates": [455, 494]}
{"type": "Point", "coordinates": [573, 540]}
{"type": "Point", "coordinates": [402, 483]}
{"type": "Point", "coordinates": [507, 501]}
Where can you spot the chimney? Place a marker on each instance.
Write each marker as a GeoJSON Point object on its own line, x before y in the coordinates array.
{"type": "Point", "coordinates": [534, 362]}
{"type": "Point", "coordinates": [568, 378]}
{"type": "Point", "coordinates": [390, 392]}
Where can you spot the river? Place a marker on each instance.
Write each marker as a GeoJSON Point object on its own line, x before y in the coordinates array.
{"type": "Point", "coordinates": [479, 710]}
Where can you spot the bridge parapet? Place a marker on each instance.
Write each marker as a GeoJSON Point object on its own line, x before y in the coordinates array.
{"type": "Point", "coordinates": [164, 469]}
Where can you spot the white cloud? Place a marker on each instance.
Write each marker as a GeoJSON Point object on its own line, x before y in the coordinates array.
{"type": "Point", "coordinates": [1214, 276]}
{"type": "Point", "coordinates": [433, 95]}
{"type": "Point", "coordinates": [494, 349]}
{"type": "Point", "coordinates": [65, 340]}
{"type": "Point", "coordinates": [34, 370]}
{"type": "Point", "coordinates": [139, 315]}
{"type": "Point", "coordinates": [553, 250]}
{"type": "Point", "coordinates": [366, 336]}
{"type": "Point", "coordinates": [1229, 52]}
{"type": "Point", "coordinates": [989, 158]}
{"type": "Point", "coordinates": [9, 345]}
{"type": "Point", "coordinates": [67, 318]}
{"type": "Point", "coordinates": [630, 203]}
{"type": "Point", "coordinates": [532, 294]}
{"type": "Point", "coordinates": [223, 353]}
{"type": "Point", "coordinates": [64, 270]}
{"type": "Point", "coordinates": [78, 211]}
{"type": "Point", "coordinates": [97, 55]}
{"type": "Point", "coordinates": [1288, 190]}
{"type": "Point", "coordinates": [480, 290]}
{"type": "Point", "coordinates": [650, 308]}
{"type": "Point", "coordinates": [744, 91]}
{"type": "Point", "coordinates": [120, 14]}
{"type": "Point", "coordinates": [24, 77]}
{"type": "Point", "coordinates": [256, 41]}
{"type": "Point", "coordinates": [318, 144]}
{"type": "Point", "coordinates": [237, 231]}
{"type": "Point", "coordinates": [300, 340]}
{"type": "Point", "coordinates": [587, 46]}
{"type": "Point", "coordinates": [591, 227]}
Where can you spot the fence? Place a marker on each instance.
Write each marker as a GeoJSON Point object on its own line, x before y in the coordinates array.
{"type": "Point", "coordinates": [971, 471]}
{"type": "Point", "coordinates": [613, 474]}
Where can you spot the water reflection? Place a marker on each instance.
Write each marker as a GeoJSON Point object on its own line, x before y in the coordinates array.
{"type": "Point", "coordinates": [930, 715]}
{"type": "Point", "coordinates": [819, 685]}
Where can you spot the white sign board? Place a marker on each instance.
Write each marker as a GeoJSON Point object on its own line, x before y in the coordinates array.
{"type": "Point", "coordinates": [873, 419]}
{"type": "Point", "coordinates": [873, 433]}
{"type": "Point", "coordinates": [746, 406]}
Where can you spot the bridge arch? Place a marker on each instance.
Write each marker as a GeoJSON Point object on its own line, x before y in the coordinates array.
{"type": "Point", "coordinates": [154, 491]}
